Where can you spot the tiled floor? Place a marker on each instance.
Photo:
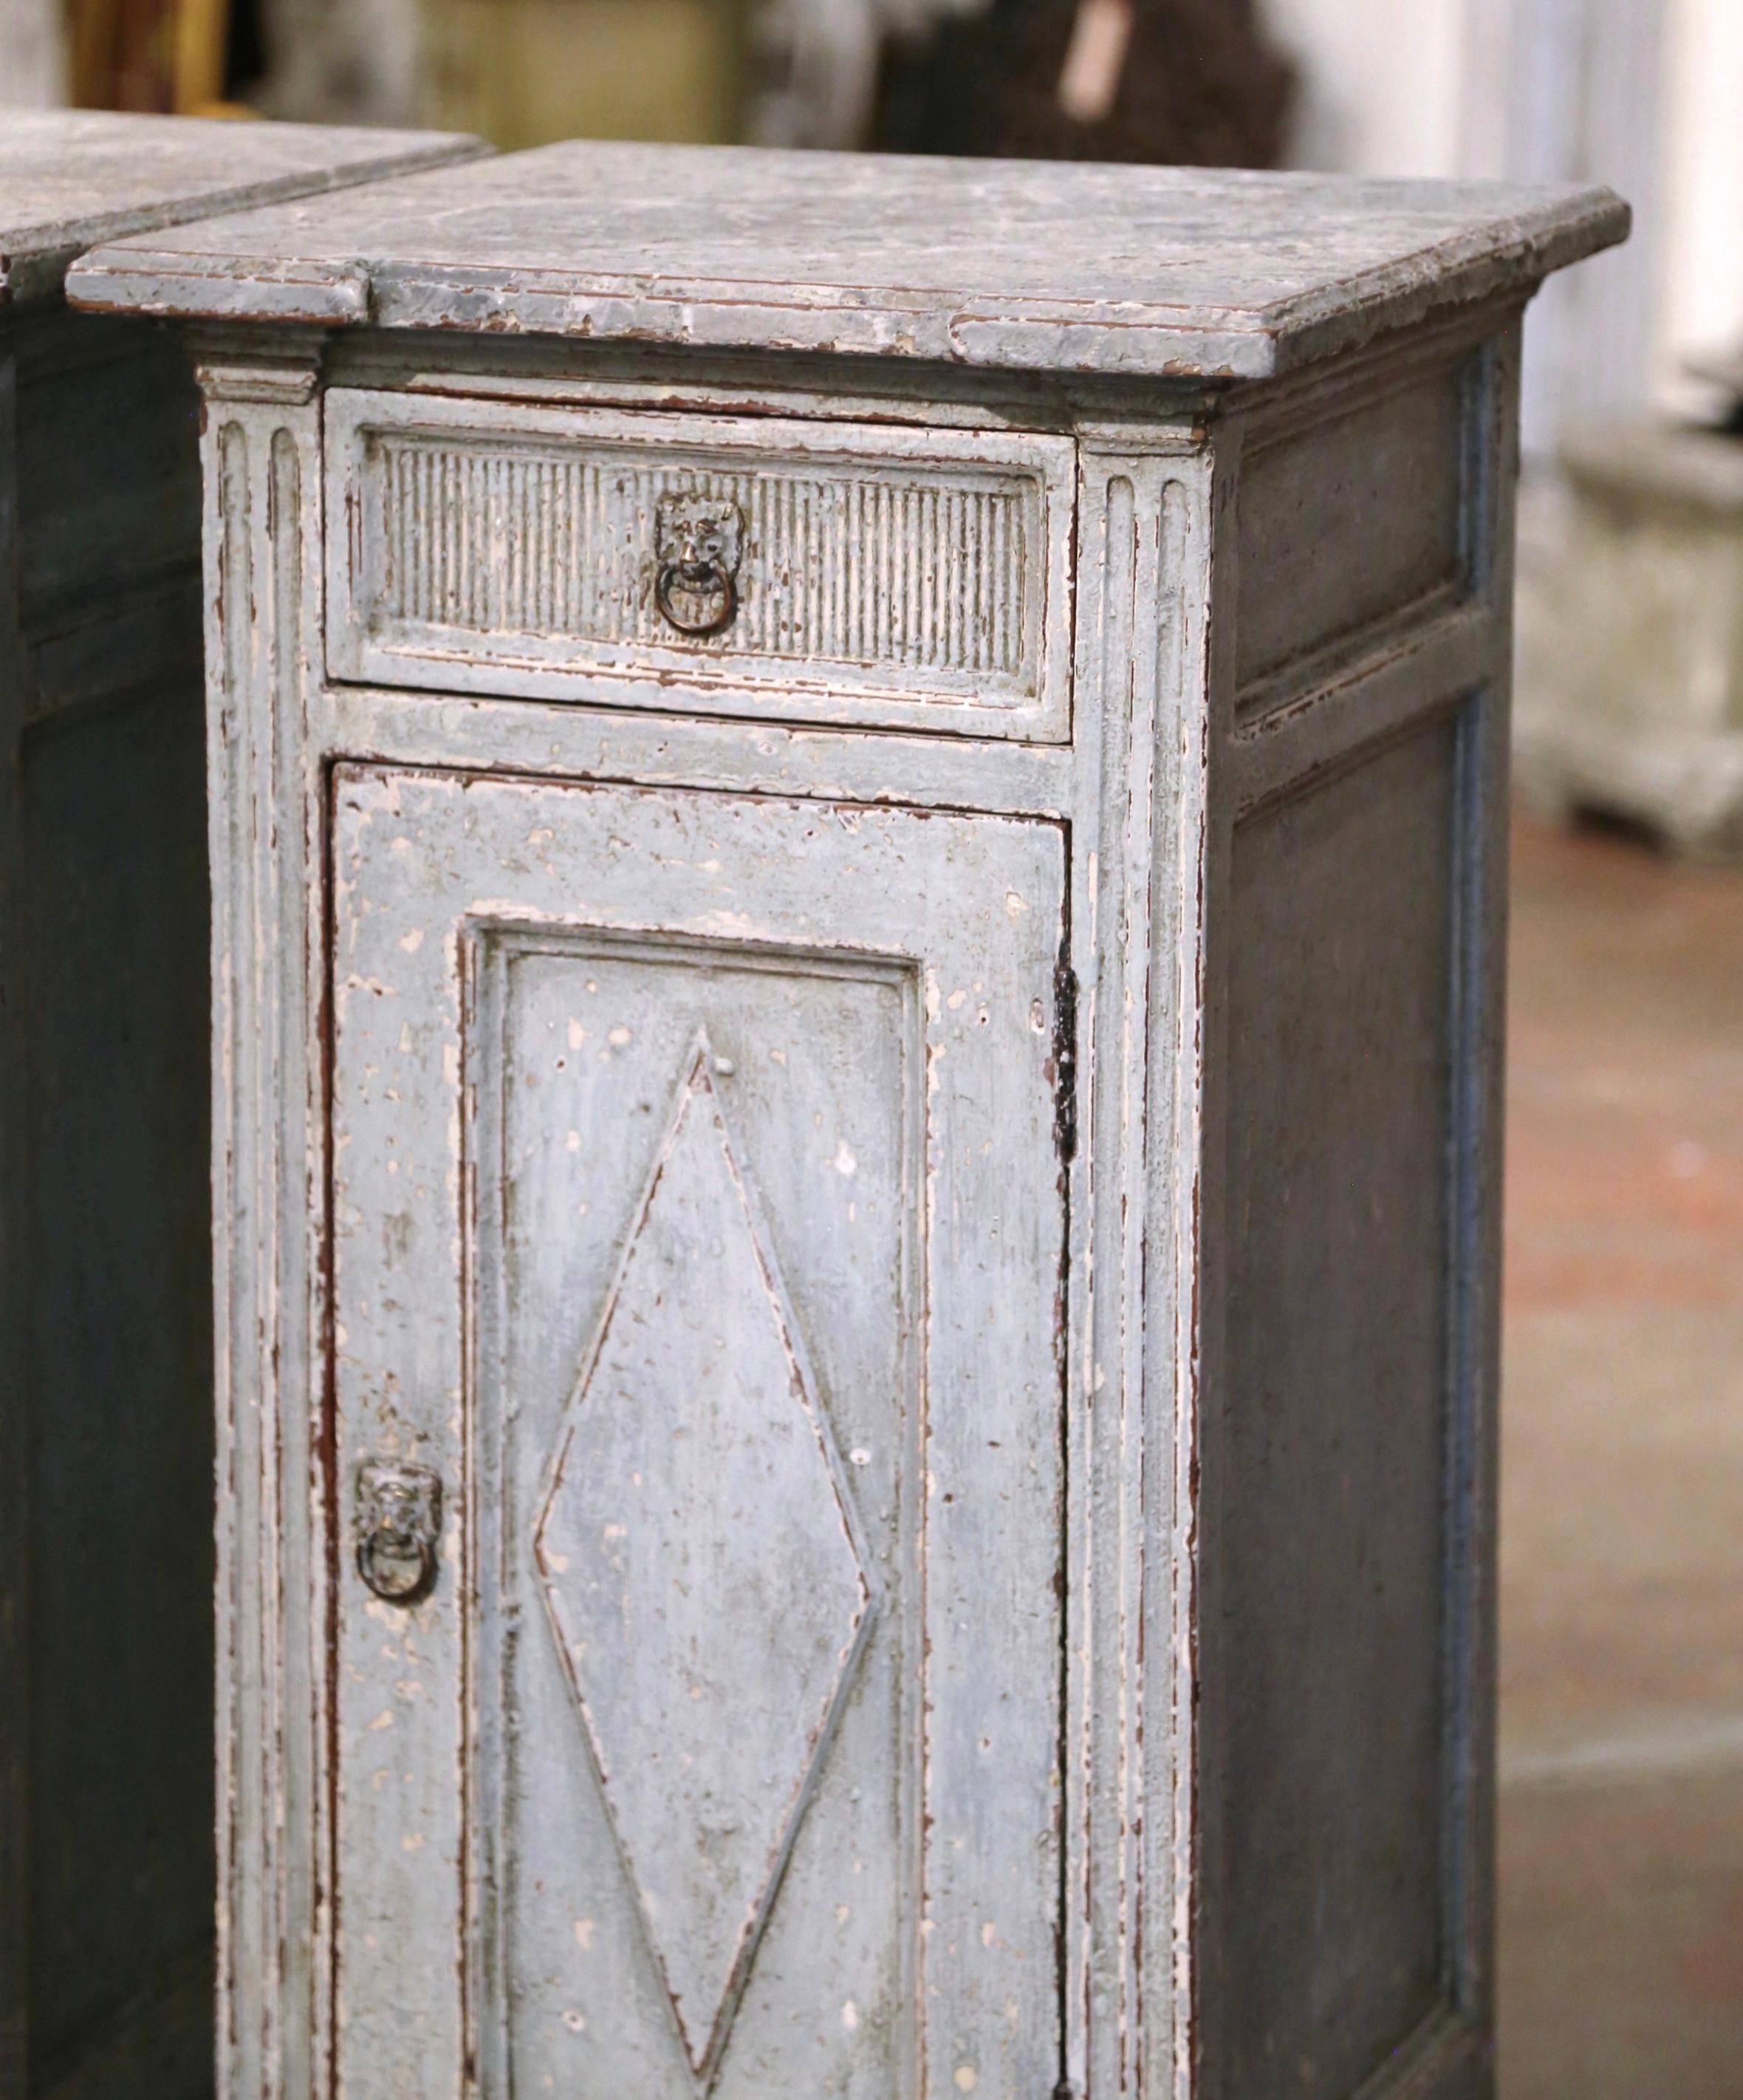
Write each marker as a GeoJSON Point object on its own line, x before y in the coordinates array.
{"type": "Point", "coordinates": [1622, 1811]}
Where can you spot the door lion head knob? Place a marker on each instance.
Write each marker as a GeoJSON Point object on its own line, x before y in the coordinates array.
{"type": "Point", "coordinates": [399, 1522]}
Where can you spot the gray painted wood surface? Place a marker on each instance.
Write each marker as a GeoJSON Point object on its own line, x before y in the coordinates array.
{"type": "Point", "coordinates": [71, 177]}
{"type": "Point", "coordinates": [1332, 1474]}
{"type": "Point", "coordinates": [889, 578]}
{"type": "Point", "coordinates": [106, 1644]}
{"type": "Point", "coordinates": [945, 1281]}
{"type": "Point", "coordinates": [756, 1479]}
{"type": "Point", "coordinates": [1170, 272]}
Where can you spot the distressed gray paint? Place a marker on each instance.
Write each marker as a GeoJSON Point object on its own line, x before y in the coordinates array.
{"type": "Point", "coordinates": [106, 1654]}
{"type": "Point", "coordinates": [889, 577]}
{"type": "Point", "coordinates": [70, 178]}
{"type": "Point", "coordinates": [902, 1295]}
{"type": "Point", "coordinates": [699, 1553]}
{"type": "Point", "coordinates": [1326, 549]}
{"type": "Point", "coordinates": [1339, 1103]}
{"type": "Point", "coordinates": [482, 936]}
{"type": "Point", "coordinates": [1161, 271]}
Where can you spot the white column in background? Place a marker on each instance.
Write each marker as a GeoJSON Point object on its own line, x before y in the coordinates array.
{"type": "Point", "coordinates": [1703, 305]}
{"type": "Point", "coordinates": [31, 59]}
{"type": "Point", "coordinates": [1381, 86]}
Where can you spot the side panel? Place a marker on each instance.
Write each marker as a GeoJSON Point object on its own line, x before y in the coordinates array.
{"type": "Point", "coordinates": [14, 1442]}
{"type": "Point", "coordinates": [118, 1223]}
{"type": "Point", "coordinates": [1350, 521]}
{"type": "Point", "coordinates": [697, 1220]}
{"type": "Point", "coordinates": [109, 1249]}
{"type": "Point", "coordinates": [1346, 1750]}
{"type": "Point", "coordinates": [1332, 1485]}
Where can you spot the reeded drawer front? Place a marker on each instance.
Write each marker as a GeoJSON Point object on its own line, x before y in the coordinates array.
{"type": "Point", "coordinates": [741, 565]}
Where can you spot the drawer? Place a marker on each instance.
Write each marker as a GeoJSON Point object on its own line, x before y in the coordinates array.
{"type": "Point", "coordinates": [747, 566]}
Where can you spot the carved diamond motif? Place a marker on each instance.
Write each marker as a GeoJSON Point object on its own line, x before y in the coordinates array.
{"type": "Point", "coordinates": [699, 1557]}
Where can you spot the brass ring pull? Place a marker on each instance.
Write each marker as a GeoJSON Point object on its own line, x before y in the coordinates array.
{"type": "Point", "coordinates": [697, 598]}
{"type": "Point", "coordinates": [399, 1522]}
{"type": "Point", "coordinates": [699, 540]}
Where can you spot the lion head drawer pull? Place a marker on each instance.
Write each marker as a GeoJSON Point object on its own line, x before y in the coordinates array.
{"type": "Point", "coordinates": [696, 586]}
{"type": "Point", "coordinates": [398, 1522]}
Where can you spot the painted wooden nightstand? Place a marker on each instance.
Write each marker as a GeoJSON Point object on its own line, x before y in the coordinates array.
{"type": "Point", "coordinates": [861, 813]}
{"type": "Point", "coordinates": [105, 1323]}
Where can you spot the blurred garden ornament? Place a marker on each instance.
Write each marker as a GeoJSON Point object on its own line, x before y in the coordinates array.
{"type": "Point", "coordinates": [1095, 60]}
{"type": "Point", "coordinates": [121, 54]}
{"type": "Point", "coordinates": [1630, 666]}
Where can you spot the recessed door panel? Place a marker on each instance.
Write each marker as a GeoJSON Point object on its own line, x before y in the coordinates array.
{"type": "Point", "coordinates": [696, 1231]}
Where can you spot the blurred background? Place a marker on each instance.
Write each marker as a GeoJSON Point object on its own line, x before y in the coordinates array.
{"type": "Point", "coordinates": [1621, 1763]}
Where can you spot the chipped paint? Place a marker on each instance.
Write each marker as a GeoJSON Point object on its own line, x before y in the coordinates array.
{"type": "Point", "coordinates": [960, 989]}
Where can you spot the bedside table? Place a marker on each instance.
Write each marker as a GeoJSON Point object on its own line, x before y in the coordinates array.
{"type": "Point", "coordinates": [860, 811]}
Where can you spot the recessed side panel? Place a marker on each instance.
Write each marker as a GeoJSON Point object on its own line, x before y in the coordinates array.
{"type": "Point", "coordinates": [1349, 525]}
{"type": "Point", "coordinates": [117, 1222]}
{"type": "Point", "coordinates": [105, 959]}
{"type": "Point", "coordinates": [14, 1389]}
{"type": "Point", "coordinates": [1328, 1626]}
{"type": "Point", "coordinates": [696, 1468]}
{"type": "Point", "coordinates": [108, 468]}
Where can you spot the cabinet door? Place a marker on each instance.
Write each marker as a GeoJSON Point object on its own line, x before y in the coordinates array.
{"type": "Point", "coordinates": [697, 1225]}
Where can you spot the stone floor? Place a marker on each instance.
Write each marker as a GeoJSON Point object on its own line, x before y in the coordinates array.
{"type": "Point", "coordinates": [1622, 1649]}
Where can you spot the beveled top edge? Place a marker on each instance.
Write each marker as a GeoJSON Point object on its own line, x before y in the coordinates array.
{"type": "Point", "coordinates": [1158, 273]}
{"type": "Point", "coordinates": [71, 178]}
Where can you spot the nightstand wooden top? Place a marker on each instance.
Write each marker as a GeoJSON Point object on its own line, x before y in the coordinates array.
{"type": "Point", "coordinates": [1163, 272]}
{"type": "Point", "coordinates": [69, 179]}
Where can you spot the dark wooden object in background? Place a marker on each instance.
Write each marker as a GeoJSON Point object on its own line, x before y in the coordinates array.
{"type": "Point", "coordinates": [1199, 86]}
{"type": "Point", "coordinates": [106, 1661]}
